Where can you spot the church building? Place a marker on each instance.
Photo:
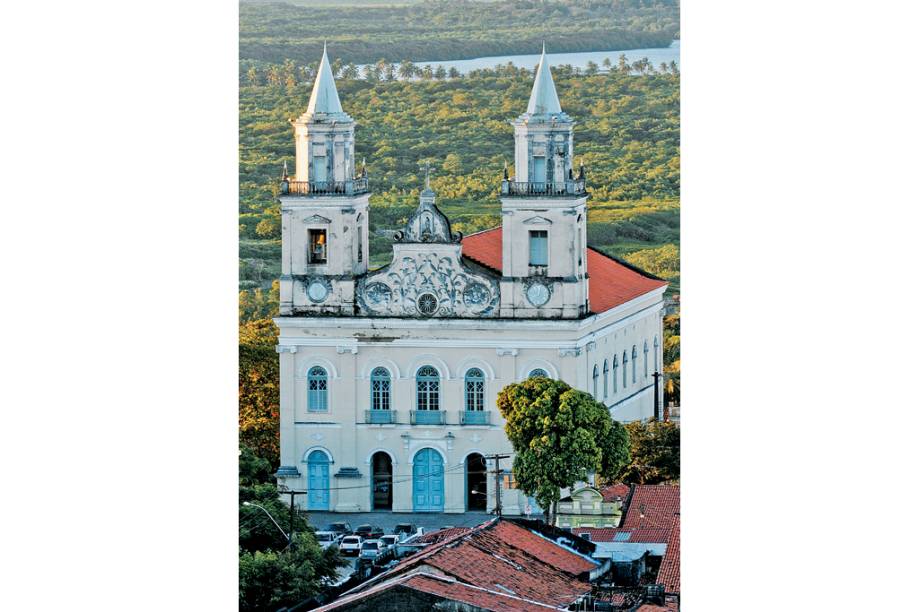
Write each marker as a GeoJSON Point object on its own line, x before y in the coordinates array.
{"type": "Point", "coordinates": [389, 377]}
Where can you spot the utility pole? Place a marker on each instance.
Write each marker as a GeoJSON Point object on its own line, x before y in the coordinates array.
{"type": "Point", "coordinates": [497, 459]}
{"type": "Point", "coordinates": [292, 494]}
{"type": "Point", "coordinates": [657, 415]}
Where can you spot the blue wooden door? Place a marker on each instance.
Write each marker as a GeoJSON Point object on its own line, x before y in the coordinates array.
{"type": "Point", "coordinates": [318, 481]}
{"type": "Point", "coordinates": [428, 481]}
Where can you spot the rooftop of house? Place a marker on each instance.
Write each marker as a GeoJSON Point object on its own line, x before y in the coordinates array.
{"type": "Point", "coordinates": [433, 537]}
{"type": "Point", "coordinates": [501, 556]}
{"type": "Point", "coordinates": [652, 506]}
{"type": "Point", "coordinates": [612, 282]}
{"type": "Point", "coordinates": [644, 535]}
{"type": "Point", "coordinates": [615, 492]}
{"type": "Point", "coordinates": [669, 573]}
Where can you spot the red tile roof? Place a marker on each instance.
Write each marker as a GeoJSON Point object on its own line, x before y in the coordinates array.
{"type": "Point", "coordinates": [612, 282]}
{"type": "Point", "coordinates": [669, 573]}
{"type": "Point", "coordinates": [644, 535]}
{"type": "Point", "coordinates": [433, 537]}
{"type": "Point", "coordinates": [504, 557]}
{"type": "Point", "coordinates": [652, 506]}
{"type": "Point", "coordinates": [612, 492]}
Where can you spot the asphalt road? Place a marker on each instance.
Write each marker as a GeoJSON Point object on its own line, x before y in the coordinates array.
{"type": "Point", "coordinates": [388, 520]}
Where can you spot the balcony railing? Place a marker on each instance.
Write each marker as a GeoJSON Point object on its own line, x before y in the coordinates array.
{"type": "Point", "coordinates": [475, 417]}
{"type": "Point", "coordinates": [380, 417]}
{"type": "Point", "coordinates": [428, 417]}
{"type": "Point", "coordinates": [570, 187]}
{"type": "Point", "coordinates": [318, 188]}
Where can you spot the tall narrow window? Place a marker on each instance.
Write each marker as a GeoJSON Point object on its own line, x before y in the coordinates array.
{"type": "Point", "coordinates": [539, 248]}
{"type": "Point", "coordinates": [427, 388]}
{"type": "Point", "coordinates": [360, 244]}
{"type": "Point", "coordinates": [615, 372]}
{"type": "Point", "coordinates": [625, 370]}
{"type": "Point", "coordinates": [596, 380]}
{"type": "Point", "coordinates": [318, 390]}
{"type": "Point", "coordinates": [380, 389]}
{"type": "Point", "coordinates": [475, 389]}
{"type": "Point", "coordinates": [634, 364]}
{"type": "Point", "coordinates": [317, 246]}
{"type": "Point", "coordinates": [656, 367]}
{"type": "Point", "coordinates": [605, 378]}
{"type": "Point", "coordinates": [646, 358]}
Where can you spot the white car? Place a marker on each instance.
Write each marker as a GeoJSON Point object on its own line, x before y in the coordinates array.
{"type": "Point", "coordinates": [327, 538]}
{"type": "Point", "coordinates": [350, 546]}
{"type": "Point", "coordinates": [371, 549]}
{"type": "Point", "coordinates": [390, 540]}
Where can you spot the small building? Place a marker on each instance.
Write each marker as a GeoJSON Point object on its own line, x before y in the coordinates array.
{"type": "Point", "coordinates": [652, 506]}
{"type": "Point", "coordinates": [589, 506]}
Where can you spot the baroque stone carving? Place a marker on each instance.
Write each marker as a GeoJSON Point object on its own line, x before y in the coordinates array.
{"type": "Point", "coordinates": [430, 285]}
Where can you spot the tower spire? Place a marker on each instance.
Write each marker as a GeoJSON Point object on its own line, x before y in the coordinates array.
{"type": "Point", "coordinates": [543, 99]}
{"type": "Point", "coordinates": [324, 98]}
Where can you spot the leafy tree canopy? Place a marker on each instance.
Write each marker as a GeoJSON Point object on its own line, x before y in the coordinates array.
{"type": "Point", "coordinates": [559, 435]}
{"type": "Point", "coordinates": [655, 453]}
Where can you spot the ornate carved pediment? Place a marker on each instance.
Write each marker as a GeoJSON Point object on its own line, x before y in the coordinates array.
{"type": "Point", "coordinates": [428, 285]}
{"type": "Point", "coordinates": [317, 219]}
{"type": "Point", "coordinates": [537, 220]}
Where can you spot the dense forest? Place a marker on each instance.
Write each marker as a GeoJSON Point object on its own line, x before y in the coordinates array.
{"type": "Point", "coordinates": [450, 29]}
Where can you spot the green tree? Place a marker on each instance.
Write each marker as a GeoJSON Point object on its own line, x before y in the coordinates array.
{"type": "Point", "coordinates": [560, 435]}
{"type": "Point", "coordinates": [452, 163]}
{"type": "Point", "coordinates": [259, 401]}
{"type": "Point", "coordinates": [269, 227]}
{"type": "Point", "coordinates": [655, 453]}
{"type": "Point", "coordinates": [440, 73]}
{"type": "Point", "coordinates": [453, 73]}
{"type": "Point", "coordinates": [592, 68]}
{"type": "Point", "coordinates": [406, 70]}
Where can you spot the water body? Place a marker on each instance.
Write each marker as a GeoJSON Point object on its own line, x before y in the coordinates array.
{"type": "Point", "coordinates": [577, 60]}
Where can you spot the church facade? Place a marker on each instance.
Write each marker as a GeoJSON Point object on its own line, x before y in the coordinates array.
{"type": "Point", "coordinates": [389, 377]}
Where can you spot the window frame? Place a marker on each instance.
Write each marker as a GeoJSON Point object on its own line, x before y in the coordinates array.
{"type": "Point", "coordinates": [317, 399]}
{"type": "Point", "coordinates": [596, 380]}
{"type": "Point", "coordinates": [474, 390]}
{"type": "Point", "coordinates": [380, 398]}
{"type": "Point", "coordinates": [431, 391]}
{"type": "Point", "coordinates": [543, 234]}
{"type": "Point", "coordinates": [605, 378]}
{"type": "Point", "coordinates": [311, 258]}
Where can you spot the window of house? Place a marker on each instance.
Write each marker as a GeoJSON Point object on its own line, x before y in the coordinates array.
{"type": "Point", "coordinates": [475, 389]}
{"type": "Point", "coordinates": [605, 378]}
{"type": "Point", "coordinates": [634, 364]}
{"type": "Point", "coordinates": [539, 248]}
{"type": "Point", "coordinates": [596, 377]}
{"type": "Point", "coordinates": [538, 372]}
{"type": "Point", "coordinates": [427, 389]}
{"type": "Point", "coordinates": [615, 371]}
{"type": "Point", "coordinates": [625, 369]}
{"type": "Point", "coordinates": [317, 246]}
{"type": "Point", "coordinates": [646, 358]}
{"type": "Point", "coordinates": [317, 390]}
{"type": "Point", "coordinates": [380, 389]}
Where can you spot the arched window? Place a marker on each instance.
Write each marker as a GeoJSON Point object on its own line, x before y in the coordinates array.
{"type": "Point", "coordinates": [318, 385]}
{"type": "Point", "coordinates": [427, 389]}
{"type": "Point", "coordinates": [538, 372]}
{"type": "Point", "coordinates": [625, 370]}
{"type": "Point", "coordinates": [656, 367]}
{"type": "Point", "coordinates": [634, 364]}
{"type": "Point", "coordinates": [615, 372]}
{"type": "Point", "coordinates": [596, 380]}
{"type": "Point", "coordinates": [646, 358]}
{"type": "Point", "coordinates": [380, 389]}
{"type": "Point", "coordinates": [475, 389]}
{"type": "Point", "coordinates": [605, 378]}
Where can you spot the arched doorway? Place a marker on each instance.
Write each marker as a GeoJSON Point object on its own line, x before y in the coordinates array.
{"type": "Point", "coordinates": [428, 481]}
{"type": "Point", "coordinates": [381, 466]}
{"type": "Point", "coordinates": [317, 481]}
{"type": "Point", "coordinates": [476, 483]}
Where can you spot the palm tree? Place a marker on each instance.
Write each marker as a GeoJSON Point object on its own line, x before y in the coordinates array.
{"type": "Point", "coordinates": [406, 70]}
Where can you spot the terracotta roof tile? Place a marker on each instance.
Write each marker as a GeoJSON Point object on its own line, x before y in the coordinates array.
{"type": "Point", "coordinates": [652, 506]}
{"type": "Point", "coordinates": [669, 573]}
{"type": "Point", "coordinates": [614, 491]}
{"type": "Point", "coordinates": [644, 535]}
{"type": "Point", "coordinates": [612, 282]}
{"type": "Point", "coordinates": [433, 537]}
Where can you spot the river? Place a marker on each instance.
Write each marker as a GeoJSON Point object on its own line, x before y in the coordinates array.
{"type": "Point", "coordinates": [577, 60]}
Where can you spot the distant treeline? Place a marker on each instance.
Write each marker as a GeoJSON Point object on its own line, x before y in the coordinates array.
{"type": "Point", "coordinates": [454, 29]}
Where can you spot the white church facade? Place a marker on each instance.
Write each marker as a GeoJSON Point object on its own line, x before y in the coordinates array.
{"type": "Point", "coordinates": [389, 377]}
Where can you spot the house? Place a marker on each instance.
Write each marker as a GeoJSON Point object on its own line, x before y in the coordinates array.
{"type": "Point", "coordinates": [652, 506]}
{"type": "Point", "coordinates": [499, 565]}
{"type": "Point", "coordinates": [389, 377]}
{"type": "Point", "coordinates": [588, 506]}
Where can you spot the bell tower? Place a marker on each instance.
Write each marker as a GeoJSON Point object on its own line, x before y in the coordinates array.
{"type": "Point", "coordinates": [324, 208]}
{"type": "Point", "coordinates": [544, 213]}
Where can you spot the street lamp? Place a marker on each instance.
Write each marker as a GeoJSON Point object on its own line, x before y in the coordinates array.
{"type": "Point", "coordinates": [286, 537]}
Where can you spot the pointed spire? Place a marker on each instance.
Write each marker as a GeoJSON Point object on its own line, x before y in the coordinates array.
{"type": "Point", "coordinates": [543, 99]}
{"type": "Point", "coordinates": [324, 99]}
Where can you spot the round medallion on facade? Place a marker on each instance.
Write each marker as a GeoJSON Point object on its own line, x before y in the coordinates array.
{"type": "Point", "coordinates": [476, 294]}
{"type": "Point", "coordinates": [538, 294]}
{"type": "Point", "coordinates": [317, 291]}
{"type": "Point", "coordinates": [378, 294]}
{"type": "Point", "coordinates": [427, 304]}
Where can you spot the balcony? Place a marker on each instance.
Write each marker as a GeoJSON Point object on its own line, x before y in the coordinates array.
{"type": "Point", "coordinates": [475, 417]}
{"type": "Point", "coordinates": [380, 417]}
{"type": "Point", "coordinates": [325, 188]}
{"type": "Point", "coordinates": [570, 188]}
{"type": "Point", "coordinates": [428, 417]}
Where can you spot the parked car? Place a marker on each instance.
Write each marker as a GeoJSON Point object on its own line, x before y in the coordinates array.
{"type": "Point", "coordinates": [341, 529]}
{"type": "Point", "coordinates": [389, 541]}
{"type": "Point", "coordinates": [350, 546]}
{"type": "Point", "coordinates": [405, 530]}
{"type": "Point", "coordinates": [368, 532]}
{"type": "Point", "coordinates": [327, 538]}
{"type": "Point", "coordinates": [371, 549]}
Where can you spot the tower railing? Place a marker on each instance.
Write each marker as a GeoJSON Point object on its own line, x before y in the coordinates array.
{"type": "Point", "coordinates": [569, 187]}
{"type": "Point", "coordinates": [316, 188]}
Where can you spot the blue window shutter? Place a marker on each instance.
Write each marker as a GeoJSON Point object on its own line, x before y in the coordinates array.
{"type": "Point", "coordinates": [539, 248]}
